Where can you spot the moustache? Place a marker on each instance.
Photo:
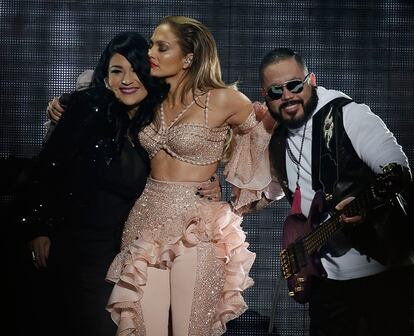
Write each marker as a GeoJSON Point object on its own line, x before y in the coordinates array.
{"type": "Point", "coordinates": [292, 102]}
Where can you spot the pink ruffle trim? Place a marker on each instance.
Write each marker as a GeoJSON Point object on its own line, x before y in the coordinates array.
{"type": "Point", "coordinates": [249, 167]}
{"type": "Point", "coordinates": [212, 222]}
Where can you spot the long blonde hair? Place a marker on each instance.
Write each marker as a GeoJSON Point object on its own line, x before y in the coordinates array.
{"type": "Point", "coordinates": [193, 37]}
{"type": "Point", "coordinates": [204, 73]}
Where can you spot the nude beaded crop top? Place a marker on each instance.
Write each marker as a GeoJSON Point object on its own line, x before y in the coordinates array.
{"type": "Point", "coordinates": [193, 143]}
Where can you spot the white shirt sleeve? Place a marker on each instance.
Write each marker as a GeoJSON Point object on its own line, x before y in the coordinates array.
{"type": "Point", "coordinates": [373, 142]}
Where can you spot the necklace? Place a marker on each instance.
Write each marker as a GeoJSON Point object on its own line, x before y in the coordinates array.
{"type": "Point", "coordinates": [178, 116]}
{"type": "Point", "coordinates": [297, 196]}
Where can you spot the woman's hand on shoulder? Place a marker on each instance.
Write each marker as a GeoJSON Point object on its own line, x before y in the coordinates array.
{"type": "Point", "coordinates": [55, 110]}
{"type": "Point", "coordinates": [263, 114]}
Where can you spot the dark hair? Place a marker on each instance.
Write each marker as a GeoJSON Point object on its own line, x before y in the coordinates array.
{"type": "Point", "coordinates": [134, 48]}
{"type": "Point", "coordinates": [280, 54]}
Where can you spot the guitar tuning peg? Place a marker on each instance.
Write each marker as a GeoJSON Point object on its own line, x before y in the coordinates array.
{"type": "Point", "coordinates": [299, 288]}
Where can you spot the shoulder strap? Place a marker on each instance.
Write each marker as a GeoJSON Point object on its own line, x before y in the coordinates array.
{"type": "Point", "coordinates": [206, 108]}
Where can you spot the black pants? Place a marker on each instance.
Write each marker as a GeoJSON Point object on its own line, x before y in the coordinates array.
{"type": "Point", "coordinates": [371, 306]}
{"type": "Point", "coordinates": [69, 297]}
{"type": "Point", "coordinates": [48, 296]}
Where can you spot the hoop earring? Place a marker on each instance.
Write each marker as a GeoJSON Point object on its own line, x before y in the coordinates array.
{"type": "Point", "coordinates": [106, 84]}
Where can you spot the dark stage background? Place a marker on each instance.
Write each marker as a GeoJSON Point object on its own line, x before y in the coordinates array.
{"type": "Point", "coordinates": [364, 48]}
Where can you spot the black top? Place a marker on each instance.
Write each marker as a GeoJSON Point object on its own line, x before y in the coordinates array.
{"type": "Point", "coordinates": [88, 175]}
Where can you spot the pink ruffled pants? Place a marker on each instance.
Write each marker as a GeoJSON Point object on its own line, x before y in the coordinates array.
{"type": "Point", "coordinates": [183, 265]}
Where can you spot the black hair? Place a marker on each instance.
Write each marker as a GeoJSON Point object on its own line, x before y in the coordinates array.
{"type": "Point", "coordinates": [134, 48]}
{"type": "Point", "coordinates": [280, 54]}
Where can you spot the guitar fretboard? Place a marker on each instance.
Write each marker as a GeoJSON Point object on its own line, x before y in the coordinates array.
{"type": "Point", "coordinates": [327, 229]}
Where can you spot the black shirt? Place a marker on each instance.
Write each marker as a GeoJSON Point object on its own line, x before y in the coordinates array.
{"type": "Point", "coordinates": [89, 174]}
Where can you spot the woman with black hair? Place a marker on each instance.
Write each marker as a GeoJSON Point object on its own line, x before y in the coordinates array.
{"type": "Point", "coordinates": [83, 185]}
{"type": "Point", "coordinates": [184, 262]}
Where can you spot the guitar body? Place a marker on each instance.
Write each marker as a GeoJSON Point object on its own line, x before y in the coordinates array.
{"type": "Point", "coordinates": [303, 237]}
{"type": "Point", "coordinates": [303, 268]}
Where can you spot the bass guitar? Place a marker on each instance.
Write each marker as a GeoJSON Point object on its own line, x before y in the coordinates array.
{"type": "Point", "coordinates": [303, 237]}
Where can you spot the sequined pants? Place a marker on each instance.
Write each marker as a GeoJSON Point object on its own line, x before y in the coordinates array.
{"type": "Point", "coordinates": [176, 289]}
{"type": "Point", "coordinates": [183, 265]}
{"type": "Point", "coordinates": [194, 278]}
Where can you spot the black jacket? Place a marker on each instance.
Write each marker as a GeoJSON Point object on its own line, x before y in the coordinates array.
{"type": "Point", "coordinates": [88, 174]}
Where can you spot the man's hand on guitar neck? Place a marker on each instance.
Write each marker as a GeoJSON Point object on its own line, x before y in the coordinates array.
{"type": "Point", "coordinates": [341, 205]}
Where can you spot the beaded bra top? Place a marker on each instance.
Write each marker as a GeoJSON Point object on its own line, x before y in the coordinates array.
{"type": "Point", "coordinates": [193, 143]}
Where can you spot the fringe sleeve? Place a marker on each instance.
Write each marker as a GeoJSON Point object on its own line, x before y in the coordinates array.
{"type": "Point", "coordinates": [249, 165]}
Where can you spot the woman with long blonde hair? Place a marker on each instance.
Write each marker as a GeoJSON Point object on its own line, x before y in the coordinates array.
{"type": "Point", "coordinates": [183, 258]}
{"type": "Point", "coordinates": [184, 261]}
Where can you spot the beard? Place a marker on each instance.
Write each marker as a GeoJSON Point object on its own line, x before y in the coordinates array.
{"type": "Point", "coordinates": [308, 110]}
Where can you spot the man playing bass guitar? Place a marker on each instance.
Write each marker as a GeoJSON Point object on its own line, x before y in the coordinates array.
{"type": "Point", "coordinates": [336, 153]}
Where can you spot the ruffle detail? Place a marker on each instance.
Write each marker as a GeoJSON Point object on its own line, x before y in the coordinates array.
{"type": "Point", "coordinates": [212, 222]}
{"type": "Point", "coordinates": [249, 167]}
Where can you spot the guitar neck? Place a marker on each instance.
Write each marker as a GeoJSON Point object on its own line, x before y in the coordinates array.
{"type": "Point", "coordinates": [323, 232]}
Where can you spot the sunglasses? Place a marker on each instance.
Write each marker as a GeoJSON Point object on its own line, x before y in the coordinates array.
{"type": "Point", "coordinates": [275, 92]}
